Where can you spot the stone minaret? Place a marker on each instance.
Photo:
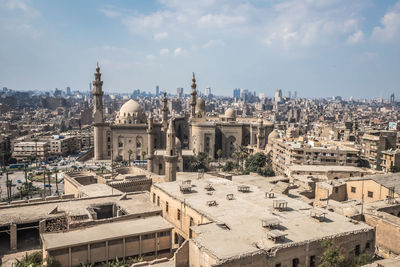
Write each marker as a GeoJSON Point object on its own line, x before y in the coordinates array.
{"type": "Point", "coordinates": [164, 109]}
{"type": "Point", "coordinates": [170, 157]}
{"type": "Point", "coordinates": [98, 120]}
{"type": "Point", "coordinates": [150, 143]}
{"type": "Point", "coordinates": [260, 134]}
{"type": "Point", "coordinates": [193, 94]}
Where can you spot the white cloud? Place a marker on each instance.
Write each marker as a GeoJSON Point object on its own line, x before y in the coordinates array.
{"type": "Point", "coordinates": [214, 43]}
{"type": "Point", "coordinates": [164, 51]}
{"type": "Point", "coordinates": [160, 35]}
{"type": "Point", "coordinates": [179, 51]}
{"type": "Point", "coordinates": [109, 13]}
{"type": "Point", "coordinates": [150, 57]}
{"type": "Point", "coordinates": [390, 29]}
{"type": "Point", "coordinates": [356, 37]}
{"type": "Point", "coordinates": [220, 20]}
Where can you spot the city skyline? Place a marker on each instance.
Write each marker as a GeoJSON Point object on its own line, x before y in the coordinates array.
{"type": "Point", "coordinates": [318, 49]}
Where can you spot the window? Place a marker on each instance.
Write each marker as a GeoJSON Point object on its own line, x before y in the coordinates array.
{"type": "Point", "coordinates": [120, 144]}
{"type": "Point", "coordinates": [367, 245]}
{"type": "Point", "coordinates": [158, 201]}
{"type": "Point", "coordinates": [108, 139]}
{"type": "Point", "coordinates": [370, 194]}
{"type": "Point", "coordinates": [336, 190]}
{"type": "Point", "coordinates": [178, 215]}
{"type": "Point", "coordinates": [138, 144]}
{"type": "Point", "coordinates": [353, 189]}
{"type": "Point", "coordinates": [312, 261]}
{"type": "Point", "coordinates": [357, 250]}
{"type": "Point", "coordinates": [154, 197]}
{"type": "Point", "coordinates": [296, 262]}
{"type": "Point", "coordinates": [191, 221]}
{"type": "Point", "coordinates": [278, 265]}
{"type": "Point", "coordinates": [148, 236]}
{"type": "Point", "coordinates": [167, 233]}
{"type": "Point", "coordinates": [166, 207]}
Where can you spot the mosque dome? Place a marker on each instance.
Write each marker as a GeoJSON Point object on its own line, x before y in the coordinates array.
{"type": "Point", "coordinates": [230, 113]}
{"type": "Point", "coordinates": [273, 135]}
{"type": "Point", "coordinates": [200, 104]}
{"type": "Point", "coordinates": [130, 112]}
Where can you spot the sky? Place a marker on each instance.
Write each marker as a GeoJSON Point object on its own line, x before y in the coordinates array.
{"type": "Point", "coordinates": [320, 48]}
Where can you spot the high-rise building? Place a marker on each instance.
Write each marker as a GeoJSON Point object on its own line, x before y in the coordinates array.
{"type": "Point", "coordinates": [179, 91]}
{"type": "Point", "coordinates": [295, 94]}
{"type": "Point", "coordinates": [278, 95]}
{"type": "Point", "coordinates": [392, 98]}
{"type": "Point", "coordinates": [236, 93]}
{"type": "Point", "coordinates": [68, 90]}
{"type": "Point", "coordinates": [207, 91]}
{"type": "Point", "coordinates": [157, 90]}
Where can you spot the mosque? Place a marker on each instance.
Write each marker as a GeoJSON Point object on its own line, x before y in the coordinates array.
{"type": "Point", "coordinates": [138, 136]}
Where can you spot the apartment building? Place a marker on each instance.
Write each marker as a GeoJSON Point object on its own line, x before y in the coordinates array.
{"type": "Point", "coordinates": [24, 150]}
{"type": "Point", "coordinates": [374, 143]}
{"type": "Point", "coordinates": [390, 160]}
{"type": "Point", "coordinates": [60, 145]}
{"type": "Point", "coordinates": [297, 152]}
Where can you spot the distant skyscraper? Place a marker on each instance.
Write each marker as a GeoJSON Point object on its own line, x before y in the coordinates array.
{"type": "Point", "coordinates": [179, 91]}
{"type": "Point", "coordinates": [157, 90]}
{"type": "Point", "coordinates": [207, 91]}
{"type": "Point", "coordinates": [295, 94]}
{"type": "Point", "coordinates": [68, 90]}
{"type": "Point", "coordinates": [236, 93]}
{"type": "Point", "coordinates": [278, 95]}
{"type": "Point", "coordinates": [392, 98]}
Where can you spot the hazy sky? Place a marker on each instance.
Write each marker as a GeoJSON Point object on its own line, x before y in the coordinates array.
{"type": "Point", "coordinates": [317, 47]}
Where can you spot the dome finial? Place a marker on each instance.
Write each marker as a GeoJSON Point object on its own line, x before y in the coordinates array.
{"type": "Point", "coordinates": [97, 67]}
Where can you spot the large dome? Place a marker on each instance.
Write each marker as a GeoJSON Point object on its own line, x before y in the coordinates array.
{"type": "Point", "coordinates": [230, 113]}
{"type": "Point", "coordinates": [130, 107]}
{"type": "Point", "coordinates": [130, 113]}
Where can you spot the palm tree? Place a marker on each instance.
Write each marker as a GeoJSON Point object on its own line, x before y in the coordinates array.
{"type": "Point", "coordinates": [48, 178]}
{"type": "Point", "coordinates": [241, 154]}
{"type": "Point", "coordinates": [129, 156]}
{"type": "Point", "coordinates": [219, 154]}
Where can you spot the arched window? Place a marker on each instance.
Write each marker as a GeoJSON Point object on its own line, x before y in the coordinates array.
{"type": "Point", "coordinates": [295, 262]}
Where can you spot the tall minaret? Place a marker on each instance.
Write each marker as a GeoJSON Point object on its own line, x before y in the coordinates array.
{"type": "Point", "coordinates": [170, 157]}
{"type": "Point", "coordinates": [260, 134]}
{"type": "Point", "coordinates": [98, 120]}
{"type": "Point", "coordinates": [193, 94]}
{"type": "Point", "coordinates": [150, 143]}
{"type": "Point", "coordinates": [164, 111]}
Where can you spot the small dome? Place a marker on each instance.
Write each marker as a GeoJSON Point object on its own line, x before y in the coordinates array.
{"type": "Point", "coordinates": [130, 107]}
{"type": "Point", "coordinates": [200, 104]}
{"type": "Point", "coordinates": [230, 113]}
{"type": "Point", "coordinates": [273, 135]}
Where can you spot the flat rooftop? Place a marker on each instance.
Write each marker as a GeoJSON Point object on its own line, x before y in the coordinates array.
{"type": "Point", "coordinates": [325, 168]}
{"type": "Point", "coordinates": [134, 204]}
{"type": "Point", "coordinates": [238, 221]}
{"type": "Point", "coordinates": [98, 190]}
{"type": "Point", "coordinates": [106, 231]}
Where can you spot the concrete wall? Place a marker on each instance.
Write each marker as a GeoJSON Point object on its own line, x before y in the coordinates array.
{"type": "Point", "coordinates": [181, 256]}
{"type": "Point", "coordinates": [362, 187]}
{"type": "Point", "coordinates": [182, 225]}
{"type": "Point", "coordinates": [387, 233]}
{"type": "Point", "coordinates": [108, 250]}
{"type": "Point", "coordinates": [303, 251]}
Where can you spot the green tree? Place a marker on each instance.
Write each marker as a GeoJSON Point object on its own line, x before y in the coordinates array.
{"type": "Point", "coordinates": [331, 256]}
{"type": "Point", "coordinates": [229, 166]}
{"type": "Point", "coordinates": [200, 161]}
{"type": "Point", "coordinates": [258, 163]}
{"type": "Point", "coordinates": [240, 154]}
{"type": "Point", "coordinates": [219, 154]}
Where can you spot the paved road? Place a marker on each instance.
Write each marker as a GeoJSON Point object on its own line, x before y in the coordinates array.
{"type": "Point", "coordinates": [19, 175]}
